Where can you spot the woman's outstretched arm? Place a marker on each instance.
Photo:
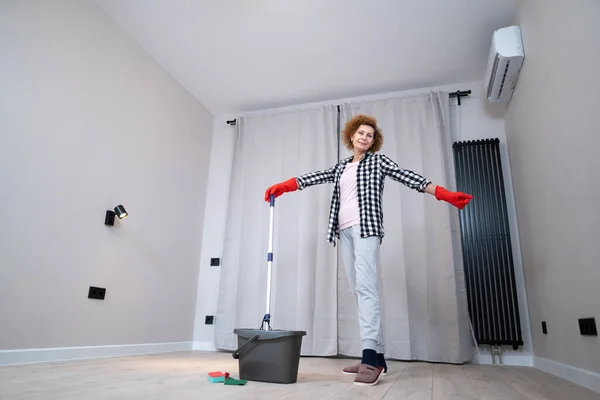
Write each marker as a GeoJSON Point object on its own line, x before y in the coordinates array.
{"type": "Point", "coordinates": [421, 184]}
{"type": "Point", "coordinates": [301, 182]}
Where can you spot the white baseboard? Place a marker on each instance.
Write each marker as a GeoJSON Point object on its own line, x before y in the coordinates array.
{"type": "Point", "coordinates": [26, 356]}
{"type": "Point", "coordinates": [521, 360]}
{"type": "Point", "coordinates": [582, 377]}
{"type": "Point", "coordinates": [204, 346]}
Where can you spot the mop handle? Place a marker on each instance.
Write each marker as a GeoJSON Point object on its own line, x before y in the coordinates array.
{"type": "Point", "coordinates": [270, 255]}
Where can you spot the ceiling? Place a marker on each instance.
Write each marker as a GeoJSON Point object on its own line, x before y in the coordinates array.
{"type": "Point", "coordinates": [243, 55]}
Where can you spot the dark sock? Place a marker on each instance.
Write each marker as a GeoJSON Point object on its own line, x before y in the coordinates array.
{"type": "Point", "coordinates": [369, 357]}
{"type": "Point", "coordinates": [381, 362]}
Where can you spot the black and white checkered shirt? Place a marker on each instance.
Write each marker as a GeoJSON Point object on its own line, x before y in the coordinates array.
{"type": "Point", "coordinates": [370, 176]}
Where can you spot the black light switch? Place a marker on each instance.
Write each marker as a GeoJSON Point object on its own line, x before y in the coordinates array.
{"type": "Point", "coordinates": [96, 293]}
{"type": "Point", "coordinates": [209, 320]}
{"type": "Point", "coordinates": [544, 328]}
{"type": "Point", "coordinates": [214, 262]}
{"type": "Point", "coordinates": [587, 327]}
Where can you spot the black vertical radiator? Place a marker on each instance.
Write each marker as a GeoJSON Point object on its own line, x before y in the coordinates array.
{"type": "Point", "coordinates": [486, 244]}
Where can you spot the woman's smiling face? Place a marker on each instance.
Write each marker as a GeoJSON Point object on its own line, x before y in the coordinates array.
{"type": "Point", "coordinates": [363, 138]}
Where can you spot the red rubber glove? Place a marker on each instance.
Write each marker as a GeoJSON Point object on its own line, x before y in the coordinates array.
{"type": "Point", "coordinates": [457, 199]}
{"type": "Point", "coordinates": [280, 188]}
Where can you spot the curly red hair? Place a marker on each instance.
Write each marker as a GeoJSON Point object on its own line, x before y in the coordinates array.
{"type": "Point", "coordinates": [352, 126]}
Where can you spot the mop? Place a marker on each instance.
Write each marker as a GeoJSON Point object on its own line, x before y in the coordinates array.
{"type": "Point", "coordinates": [265, 354]}
{"type": "Point", "coordinates": [266, 322]}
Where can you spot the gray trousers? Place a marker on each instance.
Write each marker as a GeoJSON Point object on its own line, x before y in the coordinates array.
{"type": "Point", "coordinates": [361, 256]}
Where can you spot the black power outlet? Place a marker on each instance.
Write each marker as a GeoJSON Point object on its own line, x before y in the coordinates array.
{"type": "Point", "coordinates": [96, 293]}
{"type": "Point", "coordinates": [209, 320]}
{"type": "Point", "coordinates": [587, 327]}
{"type": "Point", "coordinates": [544, 328]}
{"type": "Point", "coordinates": [214, 262]}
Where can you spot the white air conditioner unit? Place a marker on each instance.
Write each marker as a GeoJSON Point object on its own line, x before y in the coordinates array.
{"type": "Point", "coordinates": [504, 64]}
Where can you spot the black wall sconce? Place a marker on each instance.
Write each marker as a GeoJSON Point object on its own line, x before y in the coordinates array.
{"type": "Point", "coordinates": [119, 211]}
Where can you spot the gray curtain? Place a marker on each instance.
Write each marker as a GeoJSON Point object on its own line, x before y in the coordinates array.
{"type": "Point", "coordinates": [272, 148]}
{"type": "Point", "coordinates": [422, 281]}
{"type": "Point", "coordinates": [423, 289]}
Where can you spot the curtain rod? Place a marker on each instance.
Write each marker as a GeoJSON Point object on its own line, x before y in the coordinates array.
{"type": "Point", "coordinates": [458, 94]}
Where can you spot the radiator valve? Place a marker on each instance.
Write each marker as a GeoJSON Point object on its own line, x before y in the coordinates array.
{"type": "Point", "coordinates": [496, 351]}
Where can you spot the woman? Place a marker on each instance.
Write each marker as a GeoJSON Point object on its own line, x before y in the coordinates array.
{"type": "Point", "coordinates": [356, 218]}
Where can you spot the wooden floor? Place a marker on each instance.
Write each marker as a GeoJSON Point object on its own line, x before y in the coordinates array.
{"type": "Point", "coordinates": [184, 376]}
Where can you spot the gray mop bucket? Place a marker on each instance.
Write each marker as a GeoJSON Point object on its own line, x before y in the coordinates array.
{"type": "Point", "coordinates": [268, 356]}
{"type": "Point", "coordinates": [264, 354]}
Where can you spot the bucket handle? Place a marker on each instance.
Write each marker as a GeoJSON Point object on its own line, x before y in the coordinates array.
{"type": "Point", "coordinates": [236, 354]}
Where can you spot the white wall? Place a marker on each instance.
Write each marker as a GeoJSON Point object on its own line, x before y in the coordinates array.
{"type": "Point", "coordinates": [552, 130]}
{"type": "Point", "coordinates": [474, 119]}
{"type": "Point", "coordinates": [88, 121]}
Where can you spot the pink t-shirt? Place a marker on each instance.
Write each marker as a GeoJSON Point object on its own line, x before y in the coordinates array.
{"type": "Point", "coordinates": [349, 214]}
